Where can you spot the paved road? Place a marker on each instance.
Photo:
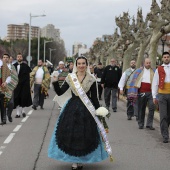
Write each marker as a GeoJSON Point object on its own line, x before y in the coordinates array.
{"type": "Point", "coordinates": [24, 143]}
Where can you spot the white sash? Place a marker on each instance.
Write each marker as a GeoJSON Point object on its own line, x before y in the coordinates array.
{"type": "Point", "coordinates": [84, 98]}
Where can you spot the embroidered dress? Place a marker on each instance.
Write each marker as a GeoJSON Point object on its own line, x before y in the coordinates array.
{"type": "Point", "coordinates": [76, 137]}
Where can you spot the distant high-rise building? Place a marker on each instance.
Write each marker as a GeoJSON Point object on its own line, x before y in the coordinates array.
{"type": "Point", "coordinates": [50, 31]}
{"type": "Point", "coordinates": [21, 31]}
{"type": "Point", "coordinates": [77, 46]}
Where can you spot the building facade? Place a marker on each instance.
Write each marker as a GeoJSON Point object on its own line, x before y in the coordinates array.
{"type": "Point", "coordinates": [77, 47]}
{"type": "Point", "coordinates": [51, 32]}
{"type": "Point", "coordinates": [21, 31]}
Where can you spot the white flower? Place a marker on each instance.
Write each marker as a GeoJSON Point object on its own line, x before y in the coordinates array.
{"type": "Point", "coordinates": [102, 111]}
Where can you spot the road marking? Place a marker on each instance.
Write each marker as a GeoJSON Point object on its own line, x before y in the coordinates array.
{"type": "Point", "coordinates": [24, 120]}
{"type": "Point", "coordinates": [17, 128]}
{"type": "Point", "coordinates": [1, 149]}
{"type": "Point", "coordinates": [9, 138]}
{"type": "Point", "coordinates": [30, 112]}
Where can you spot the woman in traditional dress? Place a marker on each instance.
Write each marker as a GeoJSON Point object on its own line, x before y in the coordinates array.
{"type": "Point", "coordinates": [76, 137]}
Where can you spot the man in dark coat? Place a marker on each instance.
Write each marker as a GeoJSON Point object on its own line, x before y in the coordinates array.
{"type": "Point", "coordinates": [22, 93]}
{"type": "Point", "coordinates": [109, 82]}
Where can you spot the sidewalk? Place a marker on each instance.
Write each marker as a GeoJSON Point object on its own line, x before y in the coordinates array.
{"type": "Point", "coordinates": [156, 114]}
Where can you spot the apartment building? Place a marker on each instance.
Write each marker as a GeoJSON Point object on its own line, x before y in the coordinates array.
{"type": "Point", "coordinates": [49, 31]}
{"type": "Point", "coordinates": [21, 31]}
{"type": "Point", "coordinates": [78, 47]}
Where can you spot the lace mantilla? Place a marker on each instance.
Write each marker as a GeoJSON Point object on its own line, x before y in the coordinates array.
{"type": "Point", "coordinates": [86, 84]}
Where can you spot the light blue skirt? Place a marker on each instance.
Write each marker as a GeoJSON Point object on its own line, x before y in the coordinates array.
{"type": "Point", "coordinates": [99, 154]}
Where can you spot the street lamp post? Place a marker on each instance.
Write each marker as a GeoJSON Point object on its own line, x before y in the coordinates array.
{"type": "Point", "coordinates": [44, 47]}
{"type": "Point", "coordinates": [50, 52]}
{"type": "Point", "coordinates": [29, 44]}
{"type": "Point", "coordinates": [163, 39]}
{"type": "Point", "coordinates": [38, 57]}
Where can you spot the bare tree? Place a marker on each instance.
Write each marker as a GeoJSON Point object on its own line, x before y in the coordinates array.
{"type": "Point", "coordinates": [159, 18]}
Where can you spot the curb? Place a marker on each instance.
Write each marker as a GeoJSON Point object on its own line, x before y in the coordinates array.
{"type": "Point", "coordinates": [156, 114]}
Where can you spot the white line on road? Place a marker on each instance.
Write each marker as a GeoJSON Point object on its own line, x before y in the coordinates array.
{"type": "Point", "coordinates": [1, 149]}
{"type": "Point", "coordinates": [17, 128]}
{"type": "Point", "coordinates": [9, 138]}
{"type": "Point", "coordinates": [30, 112]}
{"type": "Point", "coordinates": [24, 120]}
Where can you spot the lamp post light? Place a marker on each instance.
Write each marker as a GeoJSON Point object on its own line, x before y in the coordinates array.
{"type": "Point", "coordinates": [44, 47]}
{"type": "Point", "coordinates": [50, 52]}
{"type": "Point", "coordinates": [29, 43]}
{"type": "Point", "coordinates": [163, 39]}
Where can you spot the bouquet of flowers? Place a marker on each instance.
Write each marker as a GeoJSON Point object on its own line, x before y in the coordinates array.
{"type": "Point", "coordinates": [102, 111]}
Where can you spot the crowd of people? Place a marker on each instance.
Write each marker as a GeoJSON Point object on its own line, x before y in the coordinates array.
{"type": "Point", "coordinates": [79, 136]}
{"type": "Point", "coordinates": [16, 80]}
{"type": "Point", "coordinates": [144, 87]}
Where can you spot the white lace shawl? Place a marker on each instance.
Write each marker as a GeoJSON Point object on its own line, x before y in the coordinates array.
{"type": "Point", "coordinates": [86, 84]}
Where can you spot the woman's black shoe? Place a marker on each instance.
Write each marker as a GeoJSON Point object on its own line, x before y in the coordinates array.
{"type": "Point", "coordinates": [80, 166]}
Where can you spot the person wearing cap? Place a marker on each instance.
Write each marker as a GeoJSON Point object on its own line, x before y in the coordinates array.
{"type": "Point", "coordinates": [109, 82]}
{"type": "Point", "coordinates": [62, 71]}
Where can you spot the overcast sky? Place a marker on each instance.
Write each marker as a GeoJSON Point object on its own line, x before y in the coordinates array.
{"type": "Point", "coordinates": [78, 20]}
